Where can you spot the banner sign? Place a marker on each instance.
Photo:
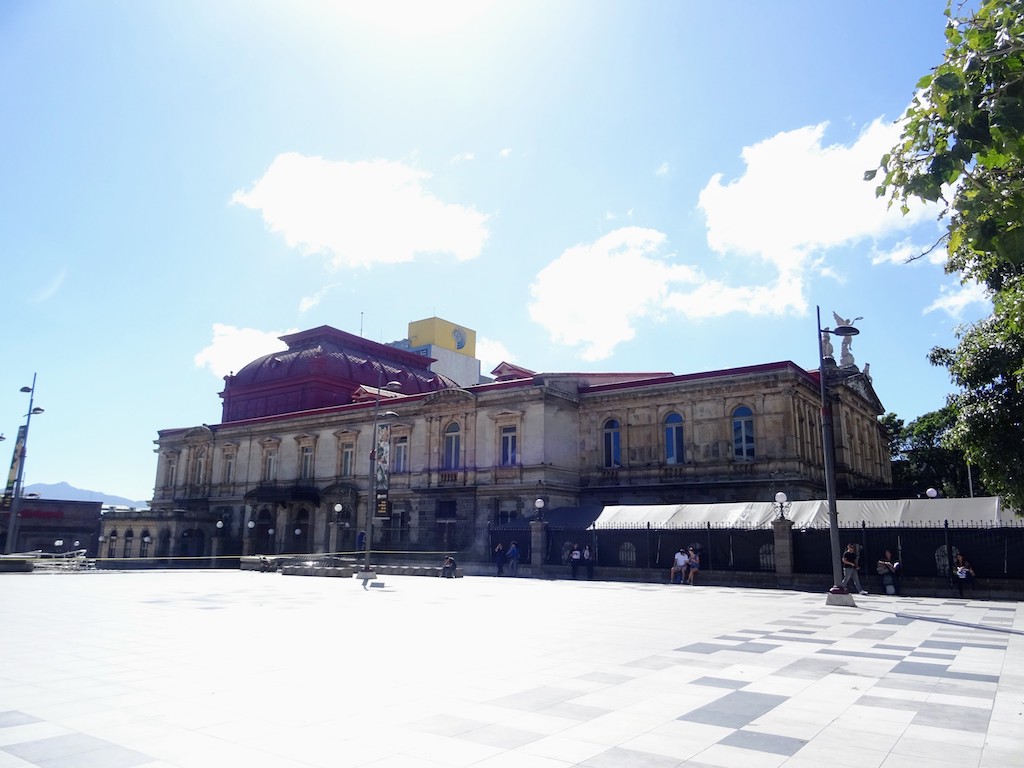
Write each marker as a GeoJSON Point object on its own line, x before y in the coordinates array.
{"type": "Point", "coordinates": [382, 458]}
{"type": "Point", "coordinates": [12, 476]}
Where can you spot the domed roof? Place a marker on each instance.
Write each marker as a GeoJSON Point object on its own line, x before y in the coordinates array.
{"type": "Point", "coordinates": [323, 367]}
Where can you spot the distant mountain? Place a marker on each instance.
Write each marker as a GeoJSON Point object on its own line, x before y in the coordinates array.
{"type": "Point", "coordinates": [67, 492]}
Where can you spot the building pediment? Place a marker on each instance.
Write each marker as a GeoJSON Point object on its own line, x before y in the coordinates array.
{"type": "Point", "coordinates": [861, 384]}
{"type": "Point", "coordinates": [507, 371]}
{"type": "Point", "coordinates": [449, 396]}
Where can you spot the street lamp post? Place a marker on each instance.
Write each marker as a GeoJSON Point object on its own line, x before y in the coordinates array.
{"type": "Point", "coordinates": [829, 450]}
{"type": "Point", "coordinates": [19, 452]}
{"type": "Point", "coordinates": [378, 463]}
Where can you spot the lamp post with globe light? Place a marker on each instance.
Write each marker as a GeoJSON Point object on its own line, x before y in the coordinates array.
{"type": "Point", "coordinates": [838, 594]}
{"type": "Point", "coordinates": [378, 465]}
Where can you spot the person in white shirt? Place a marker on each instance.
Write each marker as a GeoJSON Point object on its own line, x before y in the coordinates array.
{"type": "Point", "coordinates": [679, 565]}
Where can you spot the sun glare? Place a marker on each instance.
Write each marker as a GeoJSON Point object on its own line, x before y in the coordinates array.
{"type": "Point", "coordinates": [414, 18]}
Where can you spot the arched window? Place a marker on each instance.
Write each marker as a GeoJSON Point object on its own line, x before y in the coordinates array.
{"type": "Point", "coordinates": [452, 446]}
{"type": "Point", "coordinates": [743, 434]}
{"type": "Point", "coordinates": [112, 545]}
{"type": "Point", "coordinates": [129, 539]}
{"type": "Point", "coordinates": [612, 444]}
{"type": "Point", "coordinates": [675, 453]}
{"type": "Point", "coordinates": [144, 544]}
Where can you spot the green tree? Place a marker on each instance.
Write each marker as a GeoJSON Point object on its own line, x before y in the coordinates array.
{"type": "Point", "coordinates": [962, 146]}
{"type": "Point", "coordinates": [924, 456]}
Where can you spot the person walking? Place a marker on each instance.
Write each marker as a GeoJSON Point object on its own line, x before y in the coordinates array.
{"type": "Point", "coordinates": [513, 558]}
{"type": "Point", "coordinates": [849, 560]}
{"type": "Point", "coordinates": [499, 558]}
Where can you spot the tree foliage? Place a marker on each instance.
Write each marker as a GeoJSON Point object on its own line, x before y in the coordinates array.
{"type": "Point", "coordinates": [962, 145]}
{"type": "Point", "coordinates": [923, 456]}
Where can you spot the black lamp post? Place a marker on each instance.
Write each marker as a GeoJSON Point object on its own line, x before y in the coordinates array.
{"type": "Point", "coordinates": [829, 450]}
{"type": "Point", "coordinates": [19, 452]}
{"type": "Point", "coordinates": [375, 460]}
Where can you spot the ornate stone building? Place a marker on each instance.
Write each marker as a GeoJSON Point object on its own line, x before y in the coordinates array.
{"type": "Point", "coordinates": [288, 470]}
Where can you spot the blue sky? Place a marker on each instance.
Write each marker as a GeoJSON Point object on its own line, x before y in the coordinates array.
{"type": "Point", "coordinates": [590, 185]}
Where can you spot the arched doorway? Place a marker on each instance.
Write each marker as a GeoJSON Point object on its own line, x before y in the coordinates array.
{"type": "Point", "coordinates": [264, 533]}
{"type": "Point", "coordinates": [299, 533]}
{"type": "Point", "coordinates": [192, 545]}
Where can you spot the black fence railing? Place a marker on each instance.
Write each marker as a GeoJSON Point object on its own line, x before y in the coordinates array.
{"type": "Point", "coordinates": [723, 548]}
{"type": "Point", "coordinates": [925, 551]}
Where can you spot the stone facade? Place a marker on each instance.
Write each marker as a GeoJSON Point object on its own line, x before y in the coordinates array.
{"type": "Point", "coordinates": [462, 458]}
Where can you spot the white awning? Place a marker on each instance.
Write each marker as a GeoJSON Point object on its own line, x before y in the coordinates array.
{"type": "Point", "coordinates": [979, 511]}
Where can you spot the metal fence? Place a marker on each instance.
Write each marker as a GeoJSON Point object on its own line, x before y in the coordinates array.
{"type": "Point", "coordinates": [723, 548]}
{"type": "Point", "coordinates": [923, 550]}
{"type": "Point", "coordinates": [926, 551]}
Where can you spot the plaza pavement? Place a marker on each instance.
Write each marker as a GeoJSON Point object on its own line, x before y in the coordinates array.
{"type": "Point", "coordinates": [194, 669]}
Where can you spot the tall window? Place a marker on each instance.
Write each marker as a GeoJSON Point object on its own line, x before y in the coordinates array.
{"type": "Point", "coordinates": [269, 466]}
{"type": "Point", "coordinates": [306, 462]}
{"type": "Point", "coordinates": [612, 444]}
{"type": "Point", "coordinates": [200, 467]}
{"type": "Point", "coordinates": [508, 446]}
{"type": "Point", "coordinates": [400, 458]}
{"type": "Point", "coordinates": [129, 539]}
{"type": "Point", "coordinates": [675, 453]}
{"type": "Point", "coordinates": [112, 545]}
{"type": "Point", "coordinates": [348, 458]}
{"type": "Point", "coordinates": [229, 467]}
{"type": "Point", "coordinates": [144, 544]}
{"type": "Point", "coordinates": [452, 446]}
{"type": "Point", "coordinates": [743, 434]}
{"type": "Point", "coordinates": [172, 470]}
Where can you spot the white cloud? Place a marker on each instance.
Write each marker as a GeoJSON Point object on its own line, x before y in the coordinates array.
{"type": "Point", "coordinates": [462, 157]}
{"type": "Point", "coordinates": [662, 170]}
{"type": "Point", "coordinates": [798, 196]}
{"type": "Point", "coordinates": [491, 352]}
{"type": "Point", "coordinates": [233, 348]}
{"type": "Point", "coordinates": [953, 301]}
{"type": "Point", "coordinates": [566, 294]}
{"type": "Point", "coordinates": [307, 303]}
{"type": "Point", "coordinates": [50, 289]}
{"type": "Point", "coordinates": [908, 252]}
{"type": "Point", "coordinates": [506, 152]}
{"type": "Point", "coordinates": [361, 213]}
{"type": "Point", "coordinates": [796, 199]}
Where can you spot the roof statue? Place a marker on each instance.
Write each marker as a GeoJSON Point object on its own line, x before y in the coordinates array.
{"type": "Point", "coordinates": [845, 356]}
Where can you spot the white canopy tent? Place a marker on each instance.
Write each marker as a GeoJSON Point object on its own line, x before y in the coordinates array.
{"type": "Point", "coordinates": [978, 511]}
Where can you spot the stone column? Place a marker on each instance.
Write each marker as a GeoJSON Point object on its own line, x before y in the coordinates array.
{"type": "Point", "coordinates": [538, 543]}
{"type": "Point", "coordinates": [216, 546]}
{"type": "Point", "coordinates": [783, 531]}
{"type": "Point", "coordinates": [332, 545]}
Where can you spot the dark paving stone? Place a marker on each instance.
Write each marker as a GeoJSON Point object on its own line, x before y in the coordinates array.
{"type": "Point", "coordinates": [764, 742]}
{"type": "Point", "coordinates": [13, 717]}
{"type": "Point", "coordinates": [734, 710]}
{"type": "Point", "coordinates": [720, 682]}
{"type": "Point", "coordinates": [920, 668]}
